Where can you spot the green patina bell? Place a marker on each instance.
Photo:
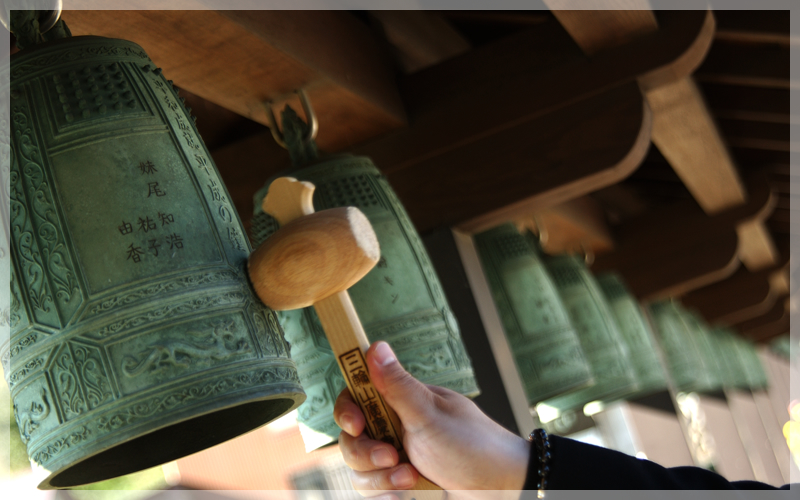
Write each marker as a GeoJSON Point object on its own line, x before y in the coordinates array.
{"type": "Point", "coordinates": [740, 364]}
{"type": "Point", "coordinates": [687, 368]}
{"type": "Point", "coordinates": [597, 331]}
{"type": "Point", "coordinates": [135, 336]}
{"type": "Point", "coordinates": [399, 301]}
{"type": "Point", "coordinates": [546, 348]}
{"type": "Point", "coordinates": [754, 371]}
{"type": "Point", "coordinates": [706, 348]}
{"type": "Point", "coordinates": [782, 346]}
{"type": "Point", "coordinates": [636, 333]}
{"type": "Point", "coordinates": [734, 373]}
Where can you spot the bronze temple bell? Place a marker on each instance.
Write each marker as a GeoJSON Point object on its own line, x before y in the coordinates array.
{"type": "Point", "coordinates": [399, 301]}
{"type": "Point", "coordinates": [546, 348]}
{"type": "Point", "coordinates": [135, 336]}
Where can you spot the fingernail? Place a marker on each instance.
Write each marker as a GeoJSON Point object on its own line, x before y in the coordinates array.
{"type": "Point", "coordinates": [402, 478]}
{"type": "Point", "coordinates": [346, 422]}
{"type": "Point", "coordinates": [384, 354]}
{"type": "Point", "coordinates": [382, 458]}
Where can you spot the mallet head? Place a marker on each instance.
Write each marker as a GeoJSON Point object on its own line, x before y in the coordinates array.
{"type": "Point", "coordinates": [313, 256]}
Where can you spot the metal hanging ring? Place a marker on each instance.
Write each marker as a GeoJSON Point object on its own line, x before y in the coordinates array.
{"type": "Point", "coordinates": [541, 231]}
{"type": "Point", "coordinates": [588, 254]}
{"type": "Point", "coordinates": [311, 119]}
{"type": "Point", "coordinates": [49, 18]}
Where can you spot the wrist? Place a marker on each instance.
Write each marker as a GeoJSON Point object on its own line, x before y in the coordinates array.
{"type": "Point", "coordinates": [516, 468]}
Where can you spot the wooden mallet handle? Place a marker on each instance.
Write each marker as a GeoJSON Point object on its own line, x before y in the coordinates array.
{"type": "Point", "coordinates": [312, 259]}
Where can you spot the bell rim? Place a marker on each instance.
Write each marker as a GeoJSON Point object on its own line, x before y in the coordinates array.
{"type": "Point", "coordinates": [292, 391]}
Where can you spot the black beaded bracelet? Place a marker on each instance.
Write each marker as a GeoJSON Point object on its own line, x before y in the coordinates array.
{"type": "Point", "coordinates": [541, 441]}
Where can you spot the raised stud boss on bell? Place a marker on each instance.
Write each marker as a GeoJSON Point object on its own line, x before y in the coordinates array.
{"type": "Point", "coordinates": [312, 260]}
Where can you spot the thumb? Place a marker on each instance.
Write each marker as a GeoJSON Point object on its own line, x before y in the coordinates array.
{"type": "Point", "coordinates": [410, 398]}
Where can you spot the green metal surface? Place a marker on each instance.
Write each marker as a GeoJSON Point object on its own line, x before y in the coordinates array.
{"type": "Point", "coordinates": [597, 331]}
{"type": "Point", "coordinates": [135, 336]}
{"type": "Point", "coordinates": [546, 348]}
{"type": "Point", "coordinates": [782, 346]}
{"type": "Point", "coordinates": [399, 301]}
{"type": "Point", "coordinates": [713, 362]}
{"type": "Point", "coordinates": [735, 376]}
{"type": "Point", "coordinates": [684, 361]}
{"type": "Point", "coordinates": [753, 369]}
{"type": "Point", "coordinates": [643, 352]}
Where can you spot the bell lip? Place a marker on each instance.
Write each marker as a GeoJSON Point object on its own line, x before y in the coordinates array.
{"type": "Point", "coordinates": [39, 47]}
{"type": "Point", "coordinates": [298, 398]}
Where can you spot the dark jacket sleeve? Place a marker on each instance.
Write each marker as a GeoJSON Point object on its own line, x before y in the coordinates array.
{"type": "Point", "coordinates": [579, 466]}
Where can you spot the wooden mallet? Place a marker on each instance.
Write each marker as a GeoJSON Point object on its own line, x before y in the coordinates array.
{"type": "Point", "coordinates": [312, 260]}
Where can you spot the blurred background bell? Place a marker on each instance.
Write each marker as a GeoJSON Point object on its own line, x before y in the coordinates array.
{"type": "Point", "coordinates": [643, 353]}
{"type": "Point", "coordinates": [546, 348]}
{"type": "Point", "coordinates": [598, 332]}
{"type": "Point", "coordinates": [688, 369]}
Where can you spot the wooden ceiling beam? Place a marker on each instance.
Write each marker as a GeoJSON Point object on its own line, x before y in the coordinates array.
{"type": "Point", "coordinates": [239, 60]}
{"type": "Point", "coordinates": [683, 128]}
{"type": "Point", "coordinates": [651, 250]}
{"type": "Point", "coordinates": [780, 221]}
{"type": "Point", "coordinates": [754, 26]}
{"type": "Point", "coordinates": [421, 38]}
{"type": "Point", "coordinates": [756, 134]}
{"type": "Point", "coordinates": [464, 162]}
{"type": "Point", "coordinates": [473, 148]}
{"type": "Point", "coordinates": [753, 65]}
{"type": "Point", "coordinates": [686, 219]}
{"type": "Point", "coordinates": [672, 270]}
{"type": "Point", "coordinates": [749, 103]}
{"type": "Point", "coordinates": [597, 30]}
{"type": "Point", "coordinates": [577, 225]}
{"type": "Point", "coordinates": [685, 133]}
{"type": "Point", "coordinates": [518, 18]}
{"type": "Point", "coordinates": [769, 331]}
{"type": "Point", "coordinates": [743, 296]}
{"type": "Point", "coordinates": [773, 323]}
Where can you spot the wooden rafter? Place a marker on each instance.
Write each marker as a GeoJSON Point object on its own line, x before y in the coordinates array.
{"type": "Point", "coordinates": [771, 324]}
{"type": "Point", "coordinates": [655, 252]}
{"type": "Point", "coordinates": [743, 296]}
{"type": "Point", "coordinates": [458, 163]}
{"type": "Point", "coordinates": [577, 225]}
{"type": "Point", "coordinates": [240, 59]}
{"type": "Point", "coordinates": [421, 38]}
{"type": "Point", "coordinates": [683, 127]}
{"type": "Point", "coordinates": [450, 133]}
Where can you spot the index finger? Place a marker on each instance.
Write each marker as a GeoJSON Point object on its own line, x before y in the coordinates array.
{"type": "Point", "coordinates": [348, 415]}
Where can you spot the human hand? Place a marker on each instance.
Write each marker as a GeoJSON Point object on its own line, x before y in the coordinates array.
{"type": "Point", "coordinates": [448, 439]}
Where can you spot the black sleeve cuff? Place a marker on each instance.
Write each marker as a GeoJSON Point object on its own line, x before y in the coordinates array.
{"type": "Point", "coordinates": [579, 466]}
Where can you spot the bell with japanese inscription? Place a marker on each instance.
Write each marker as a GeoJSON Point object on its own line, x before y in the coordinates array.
{"type": "Point", "coordinates": [136, 338]}
{"type": "Point", "coordinates": [597, 331]}
{"type": "Point", "coordinates": [399, 301]}
{"type": "Point", "coordinates": [636, 333]}
{"type": "Point", "coordinates": [546, 348]}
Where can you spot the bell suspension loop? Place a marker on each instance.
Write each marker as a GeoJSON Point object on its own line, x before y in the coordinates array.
{"type": "Point", "coordinates": [297, 136]}
{"type": "Point", "coordinates": [31, 27]}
